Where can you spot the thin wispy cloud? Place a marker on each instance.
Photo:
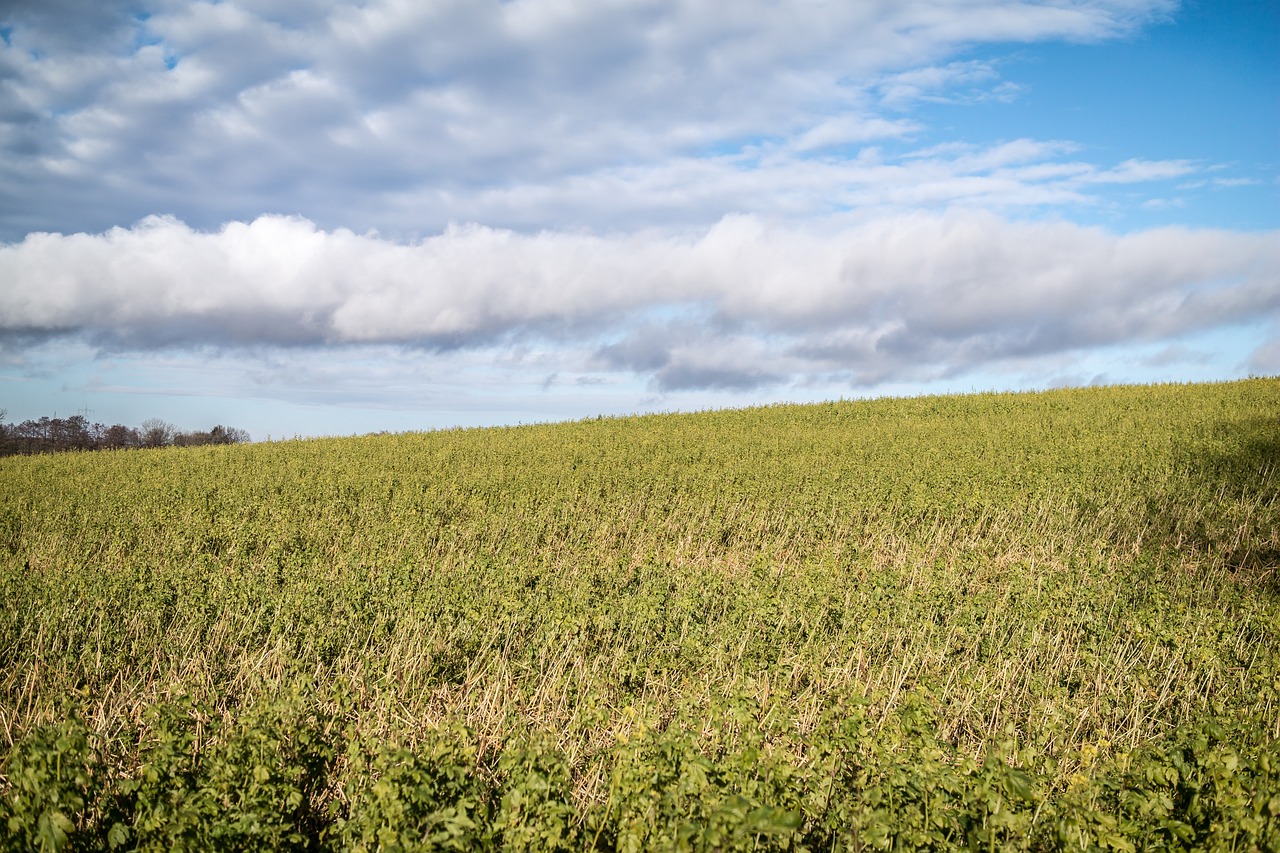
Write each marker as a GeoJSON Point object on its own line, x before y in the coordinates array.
{"type": "Point", "coordinates": [405, 116]}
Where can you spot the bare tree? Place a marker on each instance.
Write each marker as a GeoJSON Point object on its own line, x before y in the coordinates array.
{"type": "Point", "coordinates": [157, 433]}
{"type": "Point", "coordinates": [55, 435]}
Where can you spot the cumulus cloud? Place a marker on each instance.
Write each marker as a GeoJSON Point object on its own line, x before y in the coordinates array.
{"type": "Point", "coordinates": [744, 303]}
{"type": "Point", "coordinates": [670, 194]}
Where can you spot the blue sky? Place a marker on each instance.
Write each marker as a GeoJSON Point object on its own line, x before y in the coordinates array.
{"type": "Point", "coordinates": [313, 218]}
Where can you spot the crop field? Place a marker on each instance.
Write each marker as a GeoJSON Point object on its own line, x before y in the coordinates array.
{"type": "Point", "coordinates": [994, 621]}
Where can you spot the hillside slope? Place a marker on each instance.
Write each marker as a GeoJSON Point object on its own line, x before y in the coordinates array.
{"type": "Point", "coordinates": [1048, 620]}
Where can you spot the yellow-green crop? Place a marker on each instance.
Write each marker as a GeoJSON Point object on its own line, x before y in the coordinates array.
{"type": "Point", "coordinates": [1042, 621]}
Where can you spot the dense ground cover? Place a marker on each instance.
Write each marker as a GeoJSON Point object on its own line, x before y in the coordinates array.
{"type": "Point", "coordinates": [1044, 621]}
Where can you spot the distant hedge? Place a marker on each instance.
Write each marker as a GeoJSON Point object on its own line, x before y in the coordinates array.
{"type": "Point", "coordinates": [58, 435]}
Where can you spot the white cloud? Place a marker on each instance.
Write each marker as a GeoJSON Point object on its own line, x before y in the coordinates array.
{"type": "Point", "coordinates": [845, 130]}
{"type": "Point", "coordinates": [743, 303]}
{"type": "Point", "coordinates": [343, 112]}
{"type": "Point", "coordinates": [971, 81]}
{"type": "Point", "coordinates": [672, 194]}
{"type": "Point", "coordinates": [1137, 171]}
{"type": "Point", "coordinates": [1235, 182]}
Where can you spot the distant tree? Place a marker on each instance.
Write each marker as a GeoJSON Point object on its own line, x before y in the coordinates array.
{"type": "Point", "coordinates": [71, 433]}
{"type": "Point", "coordinates": [190, 439]}
{"type": "Point", "coordinates": [157, 433]}
{"type": "Point", "coordinates": [34, 436]}
{"type": "Point", "coordinates": [120, 437]}
{"type": "Point", "coordinates": [227, 435]}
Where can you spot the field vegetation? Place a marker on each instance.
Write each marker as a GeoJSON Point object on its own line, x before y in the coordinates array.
{"type": "Point", "coordinates": [994, 621]}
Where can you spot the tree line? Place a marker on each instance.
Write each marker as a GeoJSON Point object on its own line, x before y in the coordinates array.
{"type": "Point", "coordinates": [57, 435]}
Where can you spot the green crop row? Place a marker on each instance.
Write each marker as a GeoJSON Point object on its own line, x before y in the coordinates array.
{"type": "Point", "coordinates": [1030, 621]}
{"type": "Point", "coordinates": [288, 775]}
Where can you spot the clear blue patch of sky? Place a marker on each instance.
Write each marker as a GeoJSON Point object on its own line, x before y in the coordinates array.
{"type": "Point", "coordinates": [1204, 87]}
{"type": "Point", "coordinates": [142, 36]}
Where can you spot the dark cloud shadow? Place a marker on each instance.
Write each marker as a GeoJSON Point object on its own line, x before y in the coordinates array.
{"type": "Point", "coordinates": [637, 353]}
{"type": "Point", "coordinates": [687, 377]}
{"type": "Point", "coordinates": [70, 23]}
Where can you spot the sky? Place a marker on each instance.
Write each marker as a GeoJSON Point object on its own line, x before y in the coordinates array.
{"type": "Point", "coordinates": [306, 218]}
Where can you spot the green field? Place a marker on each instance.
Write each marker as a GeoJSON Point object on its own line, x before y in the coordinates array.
{"type": "Point", "coordinates": [997, 621]}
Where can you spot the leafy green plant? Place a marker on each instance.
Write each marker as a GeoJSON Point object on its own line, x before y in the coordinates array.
{"type": "Point", "coordinates": [55, 776]}
{"type": "Point", "coordinates": [536, 809]}
{"type": "Point", "coordinates": [429, 799]}
{"type": "Point", "coordinates": [1010, 621]}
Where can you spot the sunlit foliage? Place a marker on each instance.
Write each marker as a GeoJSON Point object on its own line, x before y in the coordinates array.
{"type": "Point", "coordinates": [1042, 621]}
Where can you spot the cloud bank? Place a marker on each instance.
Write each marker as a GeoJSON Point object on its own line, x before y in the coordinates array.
{"type": "Point", "coordinates": [744, 303]}
{"type": "Point", "coordinates": [701, 201]}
